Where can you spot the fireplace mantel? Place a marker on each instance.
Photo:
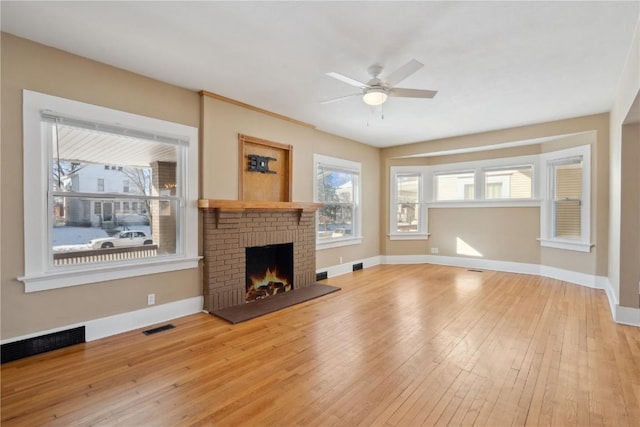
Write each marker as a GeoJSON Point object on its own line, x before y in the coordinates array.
{"type": "Point", "coordinates": [241, 205]}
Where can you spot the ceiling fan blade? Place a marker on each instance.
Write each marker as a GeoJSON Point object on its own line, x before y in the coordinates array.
{"type": "Point", "coordinates": [347, 80]}
{"type": "Point", "coordinates": [403, 72]}
{"type": "Point", "coordinates": [340, 98]}
{"type": "Point", "coordinates": [412, 93]}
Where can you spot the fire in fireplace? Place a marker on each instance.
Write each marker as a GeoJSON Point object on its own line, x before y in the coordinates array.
{"type": "Point", "coordinates": [269, 270]}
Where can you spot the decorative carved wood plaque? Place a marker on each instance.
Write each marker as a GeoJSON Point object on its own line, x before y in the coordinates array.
{"type": "Point", "coordinates": [265, 170]}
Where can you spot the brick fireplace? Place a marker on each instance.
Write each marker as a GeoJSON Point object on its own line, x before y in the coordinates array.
{"type": "Point", "coordinates": [230, 227]}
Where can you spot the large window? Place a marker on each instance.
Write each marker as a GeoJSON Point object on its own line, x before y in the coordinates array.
{"type": "Point", "coordinates": [337, 186]}
{"type": "Point", "coordinates": [565, 214]}
{"type": "Point", "coordinates": [93, 162]}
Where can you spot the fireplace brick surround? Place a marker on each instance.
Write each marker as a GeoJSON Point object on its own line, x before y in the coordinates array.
{"type": "Point", "coordinates": [227, 233]}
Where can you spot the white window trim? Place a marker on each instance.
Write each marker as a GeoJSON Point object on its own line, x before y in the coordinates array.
{"type": "Point", "coordinates": [423, 231]}
{"type": "Point", "coordinates": [39, 275]}
{"type": "Point", "coordinates": [479, 167]}
{"type": "Point", "coordinates": [547, 239]}
{"type": "Point", "coordinates": [356, 239]}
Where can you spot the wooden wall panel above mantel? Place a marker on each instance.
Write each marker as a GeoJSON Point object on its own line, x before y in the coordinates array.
{"type": "Point", "coordinates": [241, 205]}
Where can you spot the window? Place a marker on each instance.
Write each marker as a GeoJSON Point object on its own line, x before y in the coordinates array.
{"type": "Point", "coordinates": [125, 186]}
{"type": "Point", "coordinates": [157, 152]}
{"type": "Point", "coordinates": [565, 214]}
{"type": "Point", "coordinates": [508, 183]}
{"type": "Point", "coordinates": [567, 199]}
{"type": "Point", "coordinates": [100, 184]}
{"type": "Point", "coordinates": [337, 185]}
{"type": "Point", "coordinates": [408, 215]}
{"type": "Point", "coordinates": [455, 186]}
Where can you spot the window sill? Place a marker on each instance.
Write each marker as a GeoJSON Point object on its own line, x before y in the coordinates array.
{"type": "Point", "coordinates": [338, 243]}
{"type": "Point", "coordinates": [409, 236]}
{"type": "Point", "coordinates": [566, 245]}
{"type": "Point", "coordinates": [94, 273]}
{"type": "Point", "coordinates": [485, 204]}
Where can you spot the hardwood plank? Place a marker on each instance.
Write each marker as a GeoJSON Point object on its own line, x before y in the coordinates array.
{"type": "Point", "coordinates": [399, 345]}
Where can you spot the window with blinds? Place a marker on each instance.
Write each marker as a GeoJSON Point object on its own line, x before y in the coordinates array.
{"type": "Point", "coordinates": [565, 216]}
{"type": "Point", "coordinates": [567, 202]}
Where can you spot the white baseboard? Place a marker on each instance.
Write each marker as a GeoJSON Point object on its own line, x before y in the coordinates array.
{"type": "Point", "coordinates": [124, 322]}
{"type": "Point", "coordinates": [620, 314]}
{"type": "Point", "coordinates": [347, 267]}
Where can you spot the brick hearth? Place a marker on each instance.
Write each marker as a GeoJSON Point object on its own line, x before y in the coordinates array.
{"type": "Point", "coordinates": [228, 233]}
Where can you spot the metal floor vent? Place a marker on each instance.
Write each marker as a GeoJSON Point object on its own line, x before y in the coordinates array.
{"type": "Point", "coordinates": [475, 271]}
{"type": "Point", "coordinates": [158, 329]}
{"type": "Point", "coordinates": [36, 345]}
{"type": "Point", "coordinates": [321, 276]}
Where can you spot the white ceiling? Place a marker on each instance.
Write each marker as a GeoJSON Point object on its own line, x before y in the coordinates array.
{"type": "Point", "coordinates": [495, 64]}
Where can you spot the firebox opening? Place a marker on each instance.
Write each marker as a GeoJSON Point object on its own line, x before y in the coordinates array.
{"type": "Point", "coordinates": [269, 270]}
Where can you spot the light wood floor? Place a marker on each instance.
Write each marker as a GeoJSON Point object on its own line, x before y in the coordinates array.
{"type": "Point", "coordinates": [398, 346]}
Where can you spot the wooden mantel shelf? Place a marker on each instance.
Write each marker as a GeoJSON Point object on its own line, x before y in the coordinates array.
{"type": "Point", "coordinates": [241, 205]}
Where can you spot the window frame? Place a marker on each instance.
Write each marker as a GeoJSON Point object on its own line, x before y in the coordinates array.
{"type": "Point", "coordinates": [350, 167]}
{"type": "Point", "coordinates": [547, 225]}
{"type": "Point", "coordinates": [423, 219]}
{"type": "Point", "coordinates": [38, 273]}
{"type": "Point", "coordinates": [479, 167]}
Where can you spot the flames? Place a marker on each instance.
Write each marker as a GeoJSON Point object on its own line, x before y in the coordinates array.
{"type": "Point", "coordinates": [269, 284]}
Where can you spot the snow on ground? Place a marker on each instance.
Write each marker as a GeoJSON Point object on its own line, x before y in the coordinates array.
{"type": "Point", "coordinates": [77, 238]}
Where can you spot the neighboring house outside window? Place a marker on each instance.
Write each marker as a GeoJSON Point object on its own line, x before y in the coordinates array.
{"type": "Point", "coordinates": [81, 212]}
{"type": "Point", "coordinates": [455, 186]}
{"type": "Point", "coordinates": [337, 186]}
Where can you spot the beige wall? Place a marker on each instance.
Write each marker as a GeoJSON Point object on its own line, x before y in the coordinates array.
{"type": "Point", "coordinates": [27, 65]}
{"type": "Point", "coordinates": [523, 224]}
{"type": "Point", "coordinates": [223, 121]}
{"type": "Point", "coordinates": [626, 289]}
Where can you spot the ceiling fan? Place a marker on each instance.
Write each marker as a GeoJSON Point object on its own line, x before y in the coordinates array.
{"type": "Point", "coordinates": [377, 90]}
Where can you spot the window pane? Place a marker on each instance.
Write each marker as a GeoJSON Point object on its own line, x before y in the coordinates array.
{"type": "Point", "coordinates": [335, 186]}
{"type": "Point", "coordinates": [568, 201]}
{"type": "Point", "coordinates": [408, 217]}
{"type": "Point", "coordinates": [81, 230]}
{"type": "Point", "coordinates": [508, 184]}
{"type": "Point", "coordinates": [568, 181]}
{"type": "Point", "coordinates": [335, 221]}
{"type": "Point", "coordinates": [128, 224]}
{"type": "Point", "coordinates": [90, 161]}
{"type": "Point", "coordinates": [455, 186]}
{"type": "Point", "coordinates": [567, 219]}
{"type": "Point", "coordinates": [408, 189]}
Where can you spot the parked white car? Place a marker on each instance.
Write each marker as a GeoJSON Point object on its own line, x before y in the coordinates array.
{"type": "Point", "coordinates": [124, 239]}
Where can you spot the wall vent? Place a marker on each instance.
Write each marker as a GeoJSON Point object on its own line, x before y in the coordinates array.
{"type": "Point", "coordinates": [36, 345]}
{"type": "Point", "coordinates": [357, 266]}
{"type": "Point", "coordinates": [321, 276]}
{"type": "Point", "coordinates": [158, 329]}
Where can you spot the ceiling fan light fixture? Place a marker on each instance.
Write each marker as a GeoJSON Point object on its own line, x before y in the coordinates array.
{"type": "Point", "coordinates": [375, 96]}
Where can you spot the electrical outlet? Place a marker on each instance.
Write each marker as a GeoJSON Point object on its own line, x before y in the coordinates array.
{"type": "Point", "coordinates": [151, 299]}
{"type": "Point", "coordinates": [434, 251]}
{"type": "Point", "coordinates": [340, 260]}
